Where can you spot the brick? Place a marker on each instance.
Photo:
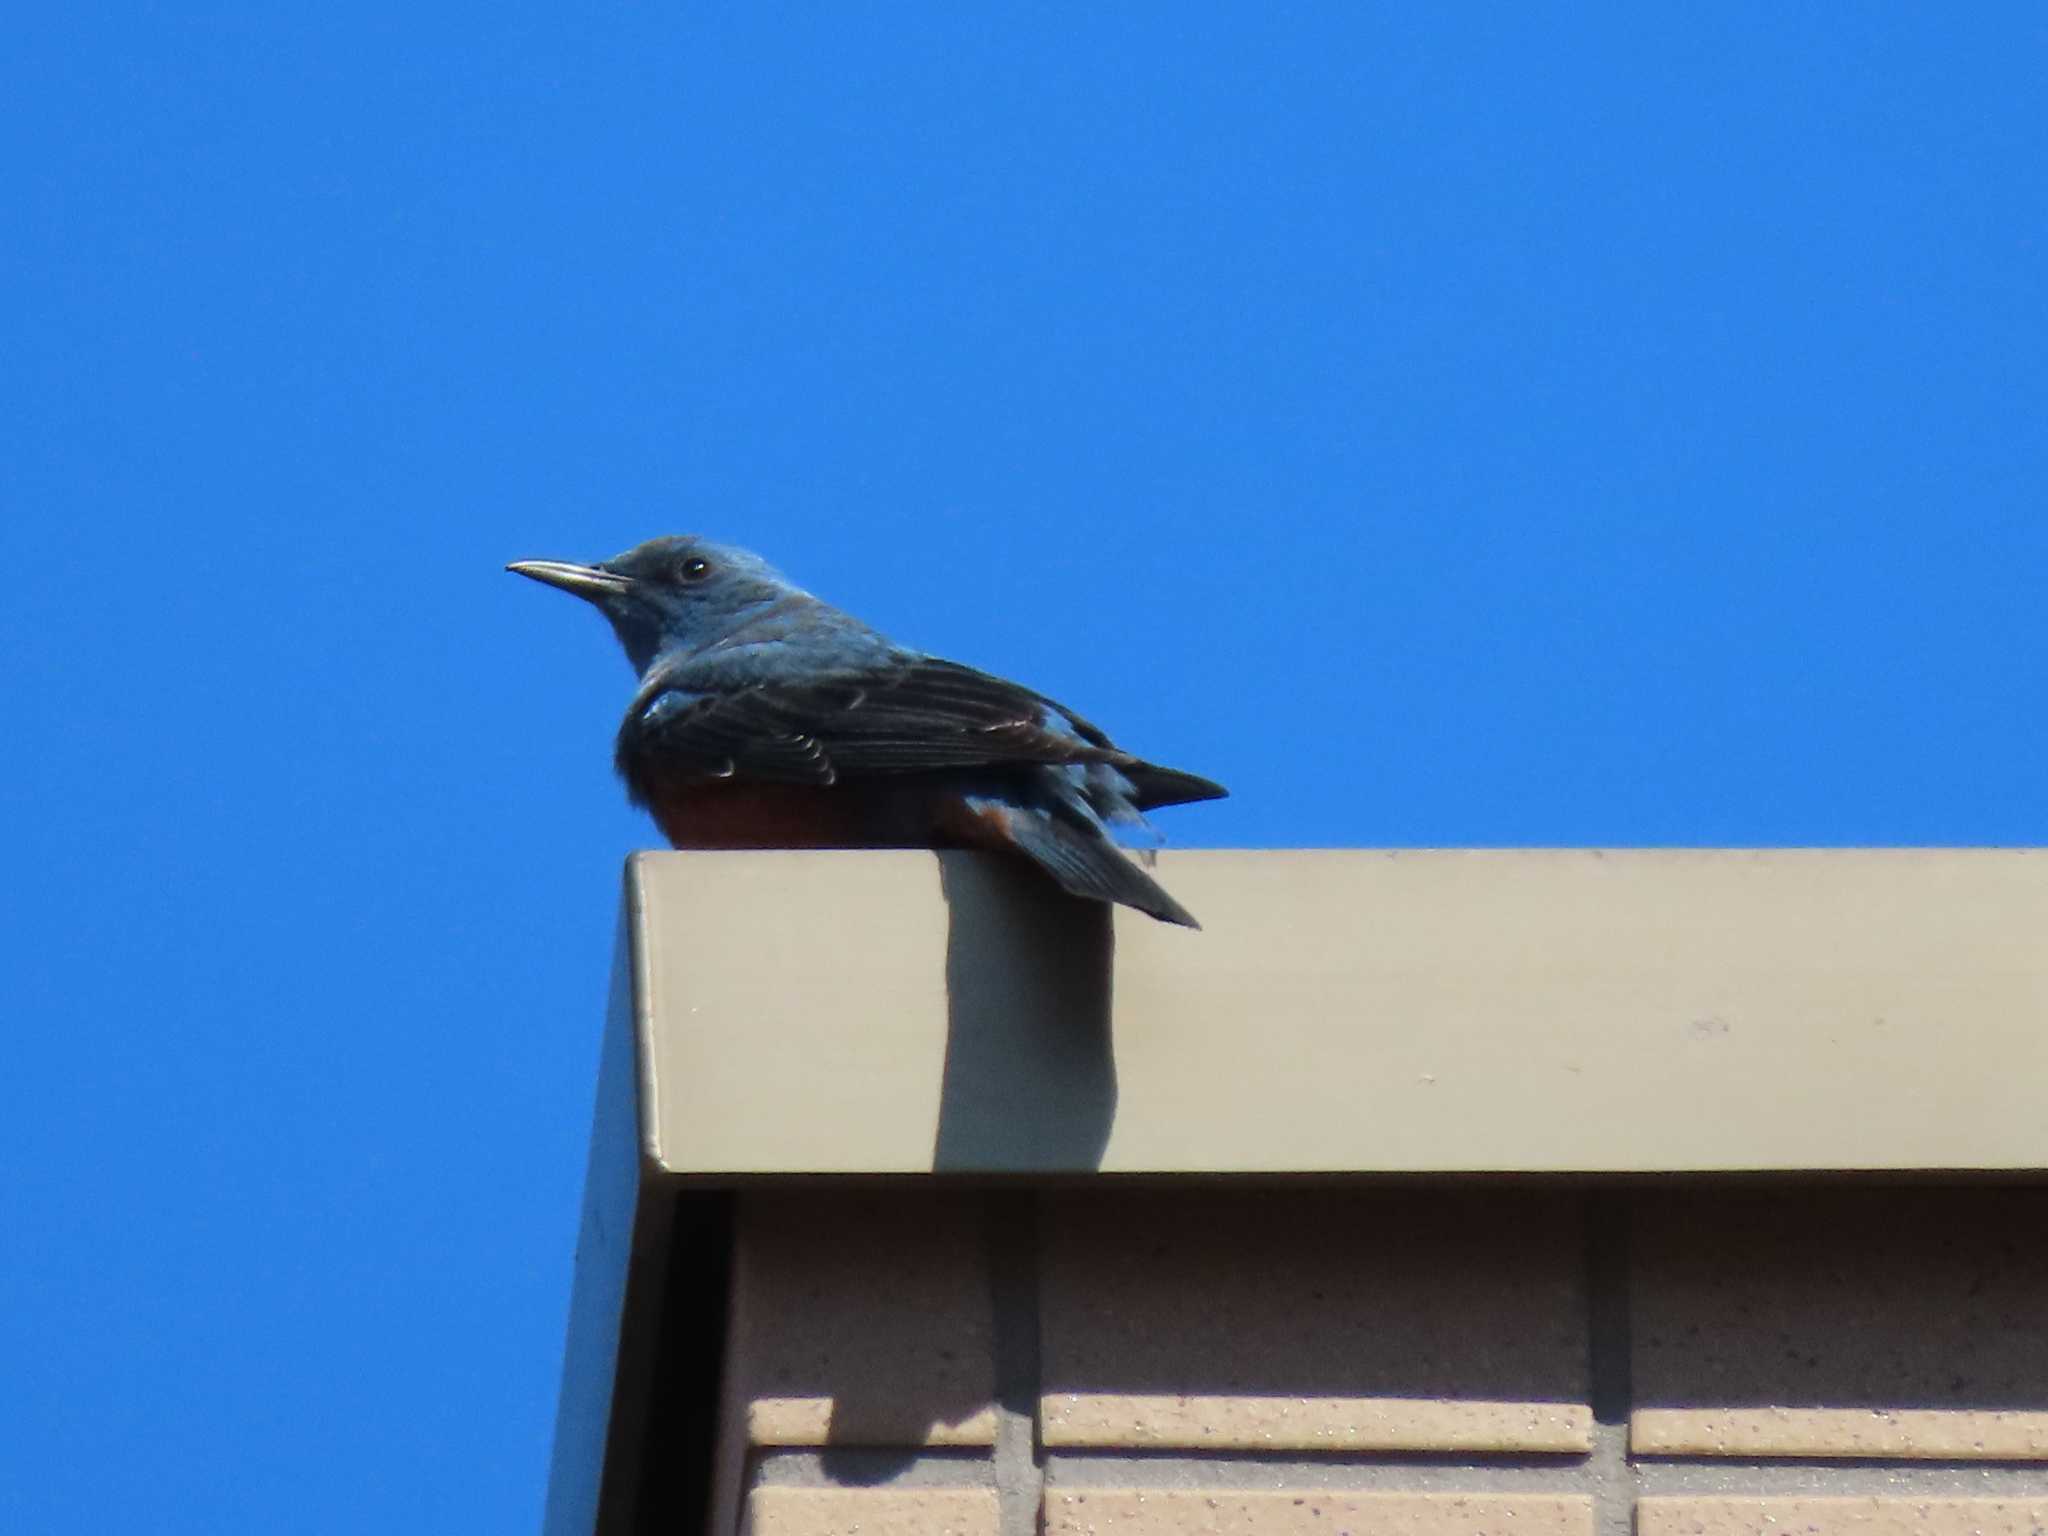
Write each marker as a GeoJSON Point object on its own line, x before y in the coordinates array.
{"type": "Point", "coordinates": [863, 1319]}
{"type": "Point", "coordinates": [1260, 1422]}
{"type": "Point", "coordinates": [868, 1511]}
{"type": "Point", "coordinates": [1313, 1320]}
{"type": "Point", "coordinates": [1840, 1517]}
{"type": "Point", "coordinates": [1223, 1512]}
{"type": "Point", "coordinates": [1900, 1323]}
{"type": "Point", "coordinates": [1937, 1434]}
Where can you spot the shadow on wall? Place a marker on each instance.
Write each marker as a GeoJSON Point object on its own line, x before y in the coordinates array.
{"type": "Point", "coordinates": [1877, 1299]}
{"type": "Point", "coordinates": [1030, 1074]}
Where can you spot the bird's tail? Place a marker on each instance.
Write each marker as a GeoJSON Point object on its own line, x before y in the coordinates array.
{"type": "Point", "coordinates": [1086, 863]}
{"type": "Point", "coordinates": [1156, 786]}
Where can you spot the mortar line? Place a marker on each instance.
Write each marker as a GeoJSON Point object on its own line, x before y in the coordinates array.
{"type": "Point", "coordinates": [1610, 1387]}
{"type": "Point", "coordinates": [1012, 1228]}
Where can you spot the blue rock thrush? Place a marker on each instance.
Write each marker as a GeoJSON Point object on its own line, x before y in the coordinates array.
{"type": "Point", "coordinates": [768, 719]}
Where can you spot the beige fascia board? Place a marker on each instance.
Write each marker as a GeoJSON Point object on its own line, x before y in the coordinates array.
{"type": "Point", "coordinates": [1413, 1011]}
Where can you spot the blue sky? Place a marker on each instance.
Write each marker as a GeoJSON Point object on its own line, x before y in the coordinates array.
{"type": "Point", "coordinates": [1442, 424]}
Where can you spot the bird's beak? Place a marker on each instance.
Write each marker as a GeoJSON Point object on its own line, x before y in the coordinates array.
{"type": "Point", "coordinates": [591, 582]}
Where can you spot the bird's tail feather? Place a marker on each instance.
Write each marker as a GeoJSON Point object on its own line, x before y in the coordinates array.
{"type": "Point", "coordinates": [1157, 786]}
{"type": "Point", "coordinates": [1086, 863]}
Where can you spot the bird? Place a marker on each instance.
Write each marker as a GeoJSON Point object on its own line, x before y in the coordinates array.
{"type": "Point", "coordinates": [767, 718]}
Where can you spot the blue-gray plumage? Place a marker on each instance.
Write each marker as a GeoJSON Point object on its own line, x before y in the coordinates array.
{"type": "Point", "coordinates": [766, 718]}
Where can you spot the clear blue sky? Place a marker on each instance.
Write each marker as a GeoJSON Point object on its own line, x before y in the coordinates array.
{"type": "Point", "coordinates": [1444, 425]}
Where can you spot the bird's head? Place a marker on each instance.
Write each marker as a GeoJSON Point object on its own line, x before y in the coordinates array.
{"type": "Point", "coordinates": [677, 593]}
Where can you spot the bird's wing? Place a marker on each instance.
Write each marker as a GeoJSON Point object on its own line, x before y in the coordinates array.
{"type": "Point", "coordinates": [908, 715]}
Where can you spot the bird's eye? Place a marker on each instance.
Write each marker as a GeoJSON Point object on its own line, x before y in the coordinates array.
{"type": "Point", "coordinates": [696, 568]}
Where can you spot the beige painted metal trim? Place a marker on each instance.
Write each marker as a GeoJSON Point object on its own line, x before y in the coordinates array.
{"type": "Point", "coordinates": [1405, 1011]}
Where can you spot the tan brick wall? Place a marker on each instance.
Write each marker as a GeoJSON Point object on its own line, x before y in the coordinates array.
{"type": "Point", "coordinates": [1873, 1516]}
{"type": "Point", "coordinates": [1877, 1323]}
{"type": "Point", "coordinates": [1324, 1321]}
{"type": "Point", "coordinates": [854, 1511]}
{"type": "Point", "coordinates": [1155, 1512]}
{"type": "Point", "coordinates": [1665, 1359]}
{"type": "Point", "coordinates": [862, 1319]}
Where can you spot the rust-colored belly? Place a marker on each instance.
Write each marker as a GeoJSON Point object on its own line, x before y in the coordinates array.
{"type": "Point", "coordinates": [724, 814]}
